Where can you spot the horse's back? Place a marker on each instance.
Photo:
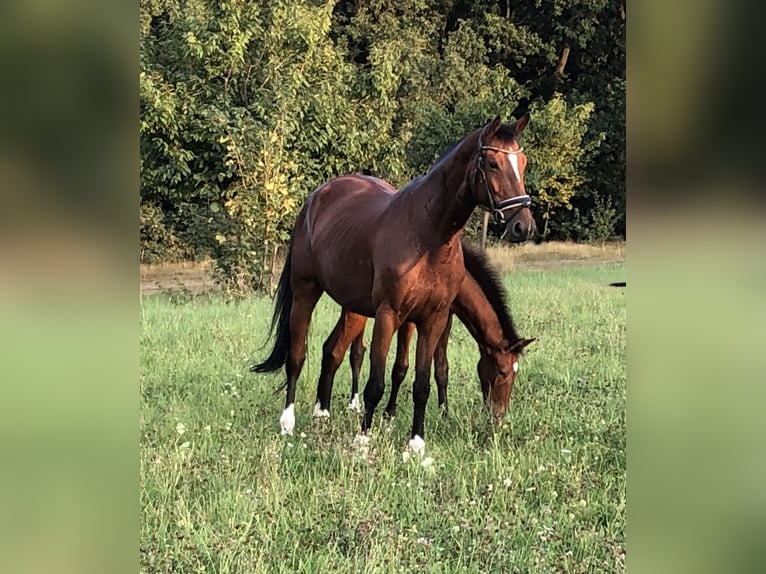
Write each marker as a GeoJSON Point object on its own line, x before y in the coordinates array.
{"type": "Point", "coordinates": [336, 230]}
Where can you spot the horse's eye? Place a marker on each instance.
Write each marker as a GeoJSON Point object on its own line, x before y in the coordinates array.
{"type": "Point", "coordinates": [492, 164]}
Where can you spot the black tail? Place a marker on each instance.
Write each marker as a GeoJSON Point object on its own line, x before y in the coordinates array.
{"type": "Point", "coordinates": [283, 303]}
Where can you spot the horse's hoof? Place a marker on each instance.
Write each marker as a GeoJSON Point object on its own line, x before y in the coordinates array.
{"type": "Point", "coordinates": [355, 404]}
{"type": "Point", "coordinates": [418, 445]}
{"type": "Point", "coordinates": [361, 440]}
{"type": "Point", "coordinates": [287, 420]}
{"type": "Point", "coordinates": [320, 413]}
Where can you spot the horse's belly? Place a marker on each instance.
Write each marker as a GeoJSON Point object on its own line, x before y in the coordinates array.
{"type": "Point", "coordinates": [347, 278]}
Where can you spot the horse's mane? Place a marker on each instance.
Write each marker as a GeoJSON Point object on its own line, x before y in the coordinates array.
{"type": "Point", "coordinates": [505, 133]}
{"type": "Point", "coordinates": [478, 265]}
{"type": "Point", "coordinates": [444, 154]}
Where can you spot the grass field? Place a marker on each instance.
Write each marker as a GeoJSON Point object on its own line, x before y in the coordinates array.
{"type": "Point", "coordinates": [222, 491]}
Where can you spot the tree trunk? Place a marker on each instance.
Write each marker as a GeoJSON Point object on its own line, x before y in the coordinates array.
{"type": "Point", "coordinates": [484, 231]}
{"type": "Point", "coordinates": [273, 274]}
{"type": "Point", "coordinates": [562, 62]}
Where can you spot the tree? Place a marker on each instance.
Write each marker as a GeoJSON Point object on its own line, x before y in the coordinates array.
{"type": "Point", "coordinates": [246, 107]}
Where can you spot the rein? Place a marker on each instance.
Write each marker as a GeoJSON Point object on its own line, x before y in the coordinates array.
{"type": "Point", "coordinates": [498, 208]}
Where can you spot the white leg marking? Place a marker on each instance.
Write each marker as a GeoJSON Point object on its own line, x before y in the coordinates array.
{"type": "Point", "coordinates": [361, 440]}
{"type": "Point", "coordinates": [320, 413]}
{"type": "Point", "coordinates": [418, 445]}
{"type": "Point", "coordinates": [287, 420]}
{"type": "Point", "coordinates": [513, 158]}
{"type": "Point", "coordinates": [355, 404]}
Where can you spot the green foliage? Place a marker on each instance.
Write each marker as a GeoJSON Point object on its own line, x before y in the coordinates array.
{"type": "Point", "coordinates": [158, 242]}
{"type": "Point", "coordinates": [558, 147]}
{"type": "Point", "coordinates": [246, 107]}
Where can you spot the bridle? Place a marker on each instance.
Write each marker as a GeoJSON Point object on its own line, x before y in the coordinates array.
{"type": "Point", "coordinates": [498, 208]}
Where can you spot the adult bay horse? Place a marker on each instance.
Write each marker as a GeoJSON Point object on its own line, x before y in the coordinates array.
{"type": "Point", "coordinates": [393, 256]}
{"type": "Point", "coordinates": [480, 304]}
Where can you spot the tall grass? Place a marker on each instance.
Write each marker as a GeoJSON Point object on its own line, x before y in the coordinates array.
{"type": "Point", "coordinates": [544, 491]}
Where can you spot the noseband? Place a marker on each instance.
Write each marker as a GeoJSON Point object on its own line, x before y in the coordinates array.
{"type": "Point", "coordinates": [498, 208]}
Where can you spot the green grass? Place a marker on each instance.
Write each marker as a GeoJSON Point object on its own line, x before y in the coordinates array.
{"type": "Point", "coordinates": [222, 491]}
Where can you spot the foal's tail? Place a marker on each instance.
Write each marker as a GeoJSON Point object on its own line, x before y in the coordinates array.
{"type": "Point", "coordinates": [283, 303]}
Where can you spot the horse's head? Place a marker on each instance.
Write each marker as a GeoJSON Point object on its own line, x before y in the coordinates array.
{"type": "Point", "coordinates": [497, 372]}
{"type": "Point", "coordinates": [499, 182]}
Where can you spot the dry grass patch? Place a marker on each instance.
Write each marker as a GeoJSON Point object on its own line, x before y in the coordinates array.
{"type": "Point", "coordinates": [554, 254]}
{"type": "Point", "coordinates": [196, 276]}
{"type": "Point", "coordinates": [182, 275]}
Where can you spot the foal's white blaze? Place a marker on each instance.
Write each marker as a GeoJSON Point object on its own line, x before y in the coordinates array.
{"type": "Point", "coordinates": [320, 413]}
{"type": "Point", "coordinates": [516, 367]}
{"type": "Point", "coordinates": [287, 420]}
{"type": "Point", "coordinates": [418, 445]}
{"type": "Point", "coordinates": [355, 404]}
{"type": "Point", "coordinates": [514, 159]}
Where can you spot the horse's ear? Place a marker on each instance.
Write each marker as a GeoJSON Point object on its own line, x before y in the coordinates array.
{"type": "Point", "coordinates": [519, 345]}
{"type": "Point", "coordinates": [519, 125]}
{"type": "Point", "coordinates": [491, 127]}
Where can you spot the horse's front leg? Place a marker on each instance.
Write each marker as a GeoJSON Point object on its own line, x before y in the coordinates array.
{"type": "Point", "coordinates": [441, 366]}
{"type": "Point", "coordinates": [429, 333]}
{"type": "Point", "coordinates": [386, 322]}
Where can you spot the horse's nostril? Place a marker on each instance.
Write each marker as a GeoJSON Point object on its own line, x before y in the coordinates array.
{"type": "Point", "coordinates": [518, 229]}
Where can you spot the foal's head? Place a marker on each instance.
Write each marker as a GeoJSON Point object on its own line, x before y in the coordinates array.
{"type": "Point", "coordinates": [499, 179]}
{"type": "Point", "coordinates": [497, 371]}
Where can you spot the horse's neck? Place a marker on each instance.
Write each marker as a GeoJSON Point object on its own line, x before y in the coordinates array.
{"type": "Point", "coordinates": [442, 201]}
{"type": "Point", "coordinates": [475, 311]}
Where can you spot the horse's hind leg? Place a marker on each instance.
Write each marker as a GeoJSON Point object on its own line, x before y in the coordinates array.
{"type": "Point", "coordinates": [305, 297]}
{"type": "Point", "coordinates": [441, 366]}
{"type": "Point", "coordinates": [401, 365]}
{"type": "Point", "coordinates": [348, 327]}
{"type": "Point", "coordinates": [355, 358]}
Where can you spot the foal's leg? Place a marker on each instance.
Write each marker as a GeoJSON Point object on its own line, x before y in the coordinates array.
{"type": "Point", "coordinates": [348, 327]}
{"type": "Point", "coordinates": [355, 358]}
{"type": "Point", "coordinates": [305, 297]}
{"type": "Point", "coordinates": [441, 366]}
{"type": "Point", "coordinates": [401, 364]}
{"type": "Point", "coordinates": [386, 322]}
{"type": "Point", "coordinates": [429, 333]}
